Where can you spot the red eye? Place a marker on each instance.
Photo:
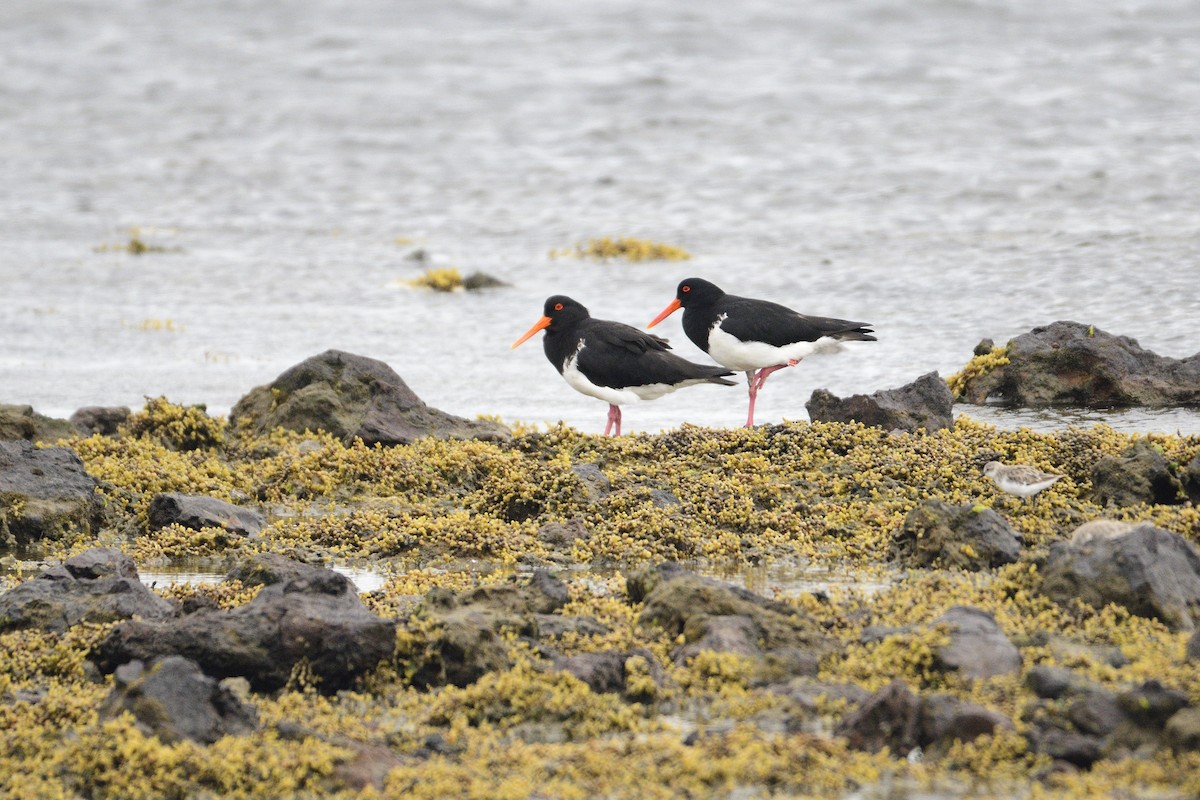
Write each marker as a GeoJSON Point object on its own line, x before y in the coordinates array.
{"type": "Point", "coordinates": [558, 306]}
{"type": "Point", "coordinates": [685, 288]}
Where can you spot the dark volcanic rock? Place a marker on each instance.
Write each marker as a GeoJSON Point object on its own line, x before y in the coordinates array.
{"type": "Point", "coordinates": [945, 719]}
{"type": "Point", "coordinates": [1074, 748]}
{"type": "Point", "coordinates": [316, 620]}
{"type": "Point", "coordinates": [563, 534]}
{"type": "Point", "coordinates": [542, 594]}
{"type": "Point", "coordinates": [889, 718]}
{"type": "Point", "coordinates": [1182, 731]}
{"type": "Point", "coordinates": [353, 396]}
{"type": "Point", "coordinates": [716, 616]}
{"type": "Point", "coordinates": [1050, 682]}
{"type": "Point", "coordinates": [606, 671]}
{"type": "Point", "coordinates": [1193, 647]}
{"type": "Point", "coordinates": [458, 645]}
{"type": "Point", "coordinates": [977, 648]}
{"type": "Point", "coordinates": [938, 534]}
{"type": "Point", "coordinates": [99, 585]}
{"type": "Point", "coordinates": [925, 403]}
{"type": "Point", "coordinates": [901, 721]}
{"type": "Point", "coordinates": [1151, 572]}
{"type": "Point", "coordinates": [678, 601]}
{"type": "Point", "coordinates": [1151, 704]}
{"type": "Point", "coordinates": [104, 420]}
{"type": "Point", "coordinates": [1095, 712]}
{"type": "Point", "coordinates": [175, 700]}
{"type": "Point", "coordinates": [1141, 475]}
{"type": "Point", "coordinates": [1067, 363]}
{"type": "Point", "coordinates": [44, 494]}
{"type": "Point", "coordinates": [22, 422]}
{"type": "Point", "coordinates": [267, 569]}
{"type": "Point", "coordinates": [199, 511]}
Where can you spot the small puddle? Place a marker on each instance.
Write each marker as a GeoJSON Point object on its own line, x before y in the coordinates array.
{"type": "Point", "coordinates": [364, 580]}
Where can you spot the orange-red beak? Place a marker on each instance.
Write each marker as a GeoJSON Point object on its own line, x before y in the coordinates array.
{"type": "Point", "coordinates": [537, 326]}
{"type": "Point", "coordinates": [666, 312]}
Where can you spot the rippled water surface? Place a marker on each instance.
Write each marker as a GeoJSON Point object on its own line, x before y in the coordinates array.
{"type": "Point", "coordinates": [947, 170]}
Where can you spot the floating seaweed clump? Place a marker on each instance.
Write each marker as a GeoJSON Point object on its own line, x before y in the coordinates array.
{"type": "Point", "coordinates": [623, 249]}
{"type": "Point", "coordinates": [442, 279]}
{"type": "Point", "coordinates": [136, 245]}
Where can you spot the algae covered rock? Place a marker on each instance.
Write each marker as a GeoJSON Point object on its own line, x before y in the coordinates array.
{"type": "Point", "coordinates": [174, 700]}
{"type": "Point", "coordinates": [22, 422]}
{"type": "Point", "coordinates": [315, 620]}
{"type": "Point", "coordinates": [198, 511]}
{"type": "Point", "coordinates": [98, 585]}
{"type": "Point", "coordinates": [351, 396]}
{"type": "Point", "coordinates": [1067, 363]}
{"type": "Point", "coordinates": [926, 403]}
{"type": "Point", "coordinates": [1141, 474]}
{"type": "Point", "coordinates": [1151, 572]}
{"type": "Point", "coordinates": [712, 615]}
{"type": "Point", "coordinates": [448, 643]}
{"type": "Point", "coordinates": [970, 537]}
{"type": "Point", "coordinates": [44, 494]}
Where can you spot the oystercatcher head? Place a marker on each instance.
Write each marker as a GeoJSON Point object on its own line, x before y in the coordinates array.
{"type": "Point", "coordinates": [757, 337]}
{"type": "Point", "coordinates": [612, 361]}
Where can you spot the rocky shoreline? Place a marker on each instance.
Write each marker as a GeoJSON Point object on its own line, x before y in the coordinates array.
{"type": "Point", "coordinates": [550, 626]}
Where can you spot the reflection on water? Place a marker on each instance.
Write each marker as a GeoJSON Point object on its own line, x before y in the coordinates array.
{"type": "Point", "coordinates": [1182, 421]}
{"type": "Point", "coordinates": [364, 580]}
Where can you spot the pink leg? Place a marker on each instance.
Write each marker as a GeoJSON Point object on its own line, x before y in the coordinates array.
{"type": "Point", "coordinates": [750, 379]}
{"type": "Point", "coordinates": [614, 419]}
{"type": "Point", "coordinates": [756, 382]}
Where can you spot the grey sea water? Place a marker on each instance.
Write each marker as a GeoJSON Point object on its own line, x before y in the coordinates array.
{"type": "Point", "coordinates": [946, 170]}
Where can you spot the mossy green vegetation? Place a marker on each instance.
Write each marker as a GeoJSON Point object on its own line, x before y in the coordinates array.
{"type": "Point", "coordinates": [823, 497]}
{"type": "Point", "coordinates": [623, 249]}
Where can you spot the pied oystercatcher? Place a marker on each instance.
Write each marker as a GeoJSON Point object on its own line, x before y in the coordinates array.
{"type": "Point", "coordinates": [749, 335]}
{"type": "Point", "coordinates": [611, 361]}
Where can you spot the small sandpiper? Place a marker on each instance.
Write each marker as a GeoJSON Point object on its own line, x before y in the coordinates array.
{"type": "Point", "coordinates": [1019, 479]}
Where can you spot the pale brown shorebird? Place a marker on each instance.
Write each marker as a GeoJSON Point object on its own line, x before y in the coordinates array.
{"type": "Point", "coordinates": [1019, 479]}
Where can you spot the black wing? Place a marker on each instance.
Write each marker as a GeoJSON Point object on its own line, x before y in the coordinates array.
{"type": "Point", "coordinates": [619, 356]}
{"type": "Point", "coordinates": [764, 321]}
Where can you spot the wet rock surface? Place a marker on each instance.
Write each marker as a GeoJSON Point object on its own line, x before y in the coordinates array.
{"type": "Point", "coordinates": [1141, 475]}
{"type": "Point", "coordinates": [977, 647]}
{"type": "Point", "coordinates": [317, 620]}
{"type": "Point", "coordinates": [940, 534]}
{"type": "Point", "coordinates": [1149, 571]}
{"type": "Point", "coordinates": [45, 493]}
{"type": "Point", "coordinates": [1067, 363]}
{"type": "Point", "coordinates": [98, 585]}
{"type": "Point", "coordinates": [174, 700]}
{"type": "Point", "coordinates": [352, 396]}
{"type": "Point", "coordinates": [198, 511]}
{"type": "Point", "coordinates": [103, 420]}
{"type": "Point", "coordinates": [925, 403]}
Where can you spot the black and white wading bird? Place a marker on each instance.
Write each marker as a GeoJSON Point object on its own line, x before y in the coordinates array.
{"type": "Point", "coordinates": [611, 361]}
{"type": "Point", "coordinates": [755, 336]}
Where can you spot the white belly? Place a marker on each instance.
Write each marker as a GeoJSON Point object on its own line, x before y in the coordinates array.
{"type": "Point", "coordinates": [630, 394]}
{"type": "Point", "coordinates": [730, 351]}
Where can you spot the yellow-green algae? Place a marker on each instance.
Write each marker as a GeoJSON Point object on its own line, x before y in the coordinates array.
{"type": "Point", "coordinates": [441, 279]}
{"type": "Point", "coordinates": [977, 367]}
{"type": "Point", "coordinates": [460, 514]}
{"type": "Point", "coordinates": [624, 249]}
